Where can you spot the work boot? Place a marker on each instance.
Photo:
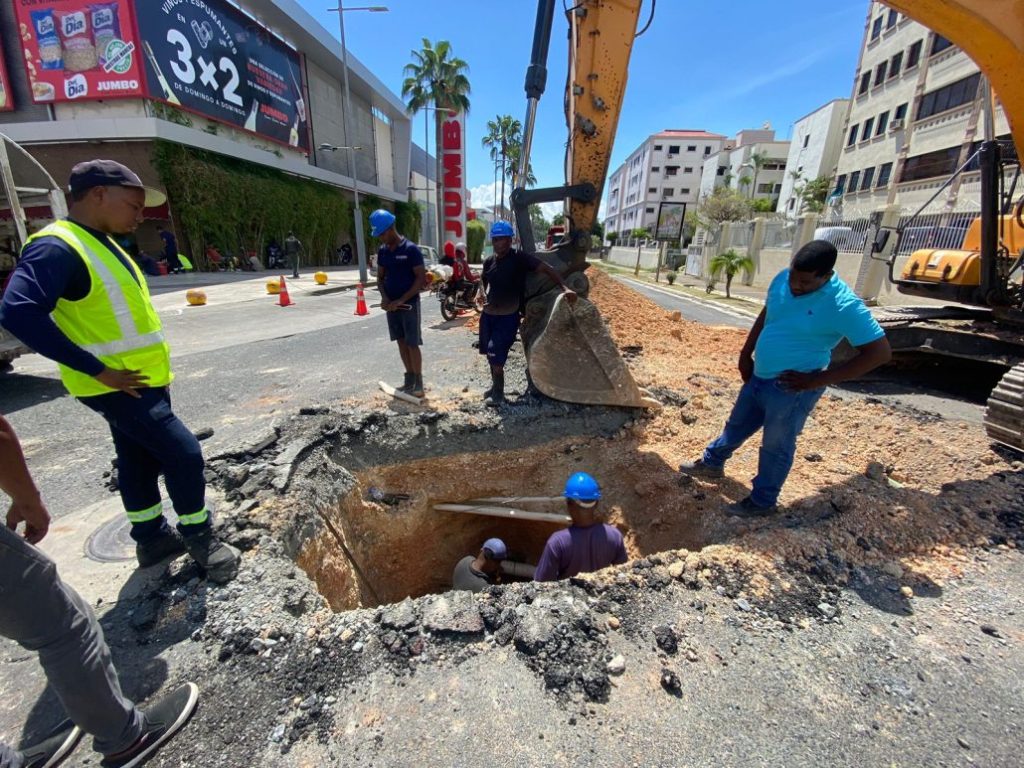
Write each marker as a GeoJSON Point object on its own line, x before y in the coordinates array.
{"type": "Point", "coordinates": [162, 720]}
{"type": "Point", "coordinates": [747, 508]}
{"type": "Point", "coordinates": [417, 386]}
{"type": "Point", "coordinates": [410, 382]}
{"type": "Point", "coordinates": [699, 469]}
{"type": "Point", "coordinates": [53, 750]}
{"type": "Point", "coordinates": [158, 548]}
{"type": "Point", "coordinates": [496, 396]}
{"type": "Point", "coordinates": [219, 560]}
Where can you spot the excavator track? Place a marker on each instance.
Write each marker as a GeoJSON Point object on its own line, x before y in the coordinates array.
{"type": "Point", "coordinates": [1004, 416]}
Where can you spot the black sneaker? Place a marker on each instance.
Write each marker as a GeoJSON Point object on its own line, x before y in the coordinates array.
{"type": "Point", "coordinates": [699, 469]}
{"type": "Point", "coordinates": [495, 400]}
{"type": "Point", "coordinates": [747, 508]}
{"type": "Point", "coordinates": [408, 384]}
{"type": "Point", "coordinates": [157, 549]}
{"type": "Point", "coordinates": [163, 719]}
{"type": "Point", "coordinates": [219, 560]}
{"type": "Point", "coordinates": [54, 749]}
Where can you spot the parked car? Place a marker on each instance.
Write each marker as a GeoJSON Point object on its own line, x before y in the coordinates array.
{"type": "Point", "coordinates": [429, 255]}
{"type": "Point", "coordinates": [843, 238]}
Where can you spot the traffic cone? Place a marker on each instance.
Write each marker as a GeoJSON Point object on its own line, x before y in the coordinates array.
{"type": "Point", "coordinates": [283, 299]}
{"type": "Point", "coordinates": [361, 301]}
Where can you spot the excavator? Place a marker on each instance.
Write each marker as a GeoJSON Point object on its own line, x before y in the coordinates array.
{"type": "Point", "coordinates": [570, 353]}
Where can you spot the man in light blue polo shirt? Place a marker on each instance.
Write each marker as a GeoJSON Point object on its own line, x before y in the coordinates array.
{"type": "Point", "coordinates": [807, 312]}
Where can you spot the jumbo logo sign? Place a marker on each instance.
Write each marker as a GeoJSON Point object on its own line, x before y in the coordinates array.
{"type": "Point", "coordinates": [453, 150]}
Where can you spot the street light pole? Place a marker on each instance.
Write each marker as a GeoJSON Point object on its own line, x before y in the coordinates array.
{"type": "Point", "coordinates": [360, 241]}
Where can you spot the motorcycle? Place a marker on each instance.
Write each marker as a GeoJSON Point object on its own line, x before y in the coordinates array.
{"type": "Point", "coordinates": [454, 298]}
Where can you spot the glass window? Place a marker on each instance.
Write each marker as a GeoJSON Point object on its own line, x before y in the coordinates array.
{"type": "Point", "coordinates": [707, 151]}
{"type": "Point", "coordinates": [914, 56]}
{"type": "Point", "coordinates": [692, 148]}
{"type": "Point", "coordinates": [894, 16]}
{"type": "Point", "coordinates": [865, 83]}
{"type": "Point", "coordinates": [949, 97]}
{"type": "Point", "coordinates": [671, 170]}
{"type": "Point", "coordinates": [807, 140]}
{"type": "Point", "coordinates": [939, 44]}
{"type": "Point", "coordinates": [854, 181]}
{"type": "Point", "coordinates": [667, 192]}
{"type": "Point", "coordinates": [687, 170]}
{"type": "Point", "coordinates": [684, 191]}
{"type": "Point", "coordinates": [930, 165]}
{"type": "Point", "coordinates": [841, 183]}
{"type": "Point", "coordinates": [867, 178]}
{"type": "Point", "coordinates": [901, 111]}
{"type": "Point", "coordinates": [883, 123]}
{"type": "Point", "coordinates": [652, 190]}
{"type": "Point", "coordinates": [895, 63]}
{"type": "Point", "coordinates": [853, 135]}
{"type": "Point", "coordinates": [657, 147]}
{"type": "Point", "coordinates": [876, 28]}
{"type": "Point", "coordinates": [884, 174]}
{"type": "Point", "coordinates": [649, 210]}
{"type": "Point", "coordinates": [764, 189]}
{"type": "Point", "coordinates": [673, 149]}
{"type": "Point", "coordinates": [868, 125]}
{"type": "Point", "coordinates": [721, 171]}
{"type": "Point", "coordinates": [880, 73]}
{"type": "Point", "coordinates": [655, 168]}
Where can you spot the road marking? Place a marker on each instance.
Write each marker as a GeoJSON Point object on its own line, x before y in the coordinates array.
{"type": "Point", "coordinates": [737, 313]}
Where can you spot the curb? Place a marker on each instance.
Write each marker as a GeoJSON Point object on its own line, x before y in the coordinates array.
{"type": "Point", "coordinates": [686, 297]}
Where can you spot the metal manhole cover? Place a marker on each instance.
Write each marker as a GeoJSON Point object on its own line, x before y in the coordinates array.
{"type": "Point", "coordinates": [110, 543]}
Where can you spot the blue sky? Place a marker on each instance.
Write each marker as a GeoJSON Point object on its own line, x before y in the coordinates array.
{"type": "Point", "coordinates": [702, 64]}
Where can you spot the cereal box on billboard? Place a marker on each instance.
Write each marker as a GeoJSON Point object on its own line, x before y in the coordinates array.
{"type": "Point", "coordinates": [76, 50]}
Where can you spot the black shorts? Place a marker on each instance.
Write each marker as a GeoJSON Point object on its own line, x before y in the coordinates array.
{"type": "Point", "coordinates": [497, 335]}
{"type": "Point", "coordinates": [404, 324]}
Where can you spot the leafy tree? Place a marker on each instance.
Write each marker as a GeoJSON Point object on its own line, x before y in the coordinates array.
{"type": "Point", "coordinates": [476, 235]}
{"type": "Point", "coordinates": [722, 205]}
{"type": "Point", "coordinates": [757, 159]}
{"type": "Point", "coordinates": [436, 77]}
{"type": "Point", "coordinates": [745, 182]}
{"type": "Point", "coordinates": [558, 220]}
{"type": "Point", "coordinates": [814, 193]}
{"type": "Point", "coordinates": [640, 232]}
{"type": "Point", "coordinates": [539, 223]}
{"type": "Point", "coordinates": [612, 237]}
{"type": "Point", "coordinates": [514, 150]}
{"type": "Point", "coordinates": [502, 133]}
{"type": "Point", "coordinates": [761, 205]}
{"type": "Point", "coordinates": [597, 229]}
{"type": "Point", "coordinates": [409, 220]}
{"type": "Point", "coordinates": [730, 263]}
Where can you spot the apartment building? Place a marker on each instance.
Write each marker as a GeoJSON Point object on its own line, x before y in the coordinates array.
{"type": "Point", "coordinates": [667, 166]}
{"type": "Point", "coordinates": [734, 165]}
{"type": "Point", "coordinates": [813, 152]}
{"type": "Point", "coordinates": [915, 117]}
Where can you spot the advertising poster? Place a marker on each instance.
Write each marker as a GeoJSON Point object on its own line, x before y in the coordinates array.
{"type": "Point", "coordinates": [6, 97]}
{"type": "Point", "coordinates": [212, 59]}
{"type": "Point", "coordinates": [453, 179]}
{"type": "Point", "coordinates": [670, 221]}
{"type": "Point", "coordinates": [78, 50]}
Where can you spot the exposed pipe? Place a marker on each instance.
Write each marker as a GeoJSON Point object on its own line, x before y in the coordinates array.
{"type": "Point", "coordinates": [519, 570]}
{"type": "Point", "coordinates": [507, 512]}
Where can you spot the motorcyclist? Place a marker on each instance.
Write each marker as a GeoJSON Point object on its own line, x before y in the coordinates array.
{"type": "Point", "coordinates": [464, 279]}
{"type": "Point", "coordinates": [449, 254]}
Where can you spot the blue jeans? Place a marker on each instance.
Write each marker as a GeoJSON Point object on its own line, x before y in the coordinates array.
{"type": "Point", "coordinates": [149, 440]}
{"type": "Point", "coordinates": [763, 403]}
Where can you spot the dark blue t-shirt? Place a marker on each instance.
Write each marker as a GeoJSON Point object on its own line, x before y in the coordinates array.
{"type": "Point", "coordinates": [505, 281]}
{"type": "Point", "coordinates": [398, 266]}
{"type": "Point", "coordinates": [170, 245]}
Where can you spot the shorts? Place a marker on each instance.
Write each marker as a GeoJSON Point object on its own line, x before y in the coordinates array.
{"type": "Point", "coordinates": [404, 324]}
{"type": "Point", "coordinates": [497, 335]}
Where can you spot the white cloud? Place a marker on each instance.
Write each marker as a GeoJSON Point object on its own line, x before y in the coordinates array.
{"type": "Point", "coordinates": [486, 195]}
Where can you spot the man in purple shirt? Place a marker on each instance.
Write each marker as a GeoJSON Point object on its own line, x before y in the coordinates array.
{"type": "Point", "coordinates": [587, 545]}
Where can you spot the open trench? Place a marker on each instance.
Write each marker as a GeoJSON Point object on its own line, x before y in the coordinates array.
{"type": "Point", "coordinates": [383, 540]}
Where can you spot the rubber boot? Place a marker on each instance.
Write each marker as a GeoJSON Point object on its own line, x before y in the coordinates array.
{"type": "Point", "coordinates": [417, 386]}
{"type": "Point", "coordinates": [410, 382]}
{"type": "Point", "coordinates": [496, 398]}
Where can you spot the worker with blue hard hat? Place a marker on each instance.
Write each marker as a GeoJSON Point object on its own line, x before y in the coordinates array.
{"type": "Point", "coordinates": [503, 281]}
{"type": "Point", "coordinates": [586, 545]}
{"type": "Point", "coordinates": [400, 278]}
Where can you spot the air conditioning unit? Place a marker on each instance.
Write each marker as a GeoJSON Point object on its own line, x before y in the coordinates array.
{"type": "Point", "coordinates": [895, 125]}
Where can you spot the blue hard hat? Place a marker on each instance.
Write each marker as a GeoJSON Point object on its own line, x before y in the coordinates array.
{"type": "Point", "coordinates": [501, 229]}
{"type": "Point", "coordinates": [381, 221]}
{"type": "Point", "coordinates": [582, 487]}
{"type": "Point", "coordinates": [495, 549]}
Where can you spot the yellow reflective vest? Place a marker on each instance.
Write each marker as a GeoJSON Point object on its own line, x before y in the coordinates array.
{"type": "Point", "coordinates": [115, 321]}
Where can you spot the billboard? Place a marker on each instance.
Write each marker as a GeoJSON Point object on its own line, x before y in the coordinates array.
{"type": "Point", "coordinates": [6, 97]}
{"type": "Point", "coordinates": [76, 49]}
{"type": "Point", "coordinates": [670, 222]}
{"type": "Point", "coordinates": [210, 58]}
{"type": "Point", "coordinates": [453, 176]}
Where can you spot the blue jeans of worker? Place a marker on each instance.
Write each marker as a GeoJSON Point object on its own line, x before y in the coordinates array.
{"type": "Point", "coordinates": [44, 615]}
{"type": "Point", "coordinates": [149, 440]}
{"type": "Point", "coordinates": [764, 404]}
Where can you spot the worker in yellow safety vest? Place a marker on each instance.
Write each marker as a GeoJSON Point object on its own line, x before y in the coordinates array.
{"type": "Point", "coordinates": [77, 298]}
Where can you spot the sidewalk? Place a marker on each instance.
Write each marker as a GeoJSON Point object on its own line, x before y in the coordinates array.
{"type": "Point", "coordinates": [169, 291]}
{"type": "Point", "coordinates": [745, 298]}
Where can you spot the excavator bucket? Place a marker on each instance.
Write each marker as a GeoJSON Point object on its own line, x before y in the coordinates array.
{"type": "Point", "coordinates": [574, 359]}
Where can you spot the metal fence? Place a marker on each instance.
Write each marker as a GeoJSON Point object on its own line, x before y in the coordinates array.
{"type": "Point", "coordinates": [846, 235]}
{"type": "Point", "coordinates": [933, 230]}
{"type": "Point", "coordinates": [779, 234]}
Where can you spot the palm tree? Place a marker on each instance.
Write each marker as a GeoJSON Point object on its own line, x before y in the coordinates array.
{"type": "Point", "coordinates": [757, 160]}
{"type": "Point", "coordinates": [514, 151]}
{"type": "Point", "coordinates": [435, 76]}
{"type": "Point", "coordinates": [493, 142]}
{"type": "Point", "coordinates": [503, 134]}
{"type": "Point", "coordinates": [730, 263]}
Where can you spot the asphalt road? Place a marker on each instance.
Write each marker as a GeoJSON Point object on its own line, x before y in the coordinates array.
{"type": "Point", "coordinates": [239, 367]}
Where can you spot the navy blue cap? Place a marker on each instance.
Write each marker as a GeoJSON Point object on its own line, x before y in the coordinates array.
{"type": "Point", "coordinates": [494, 549]}
{"type": "Point", "coordinates": [110, 173]}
